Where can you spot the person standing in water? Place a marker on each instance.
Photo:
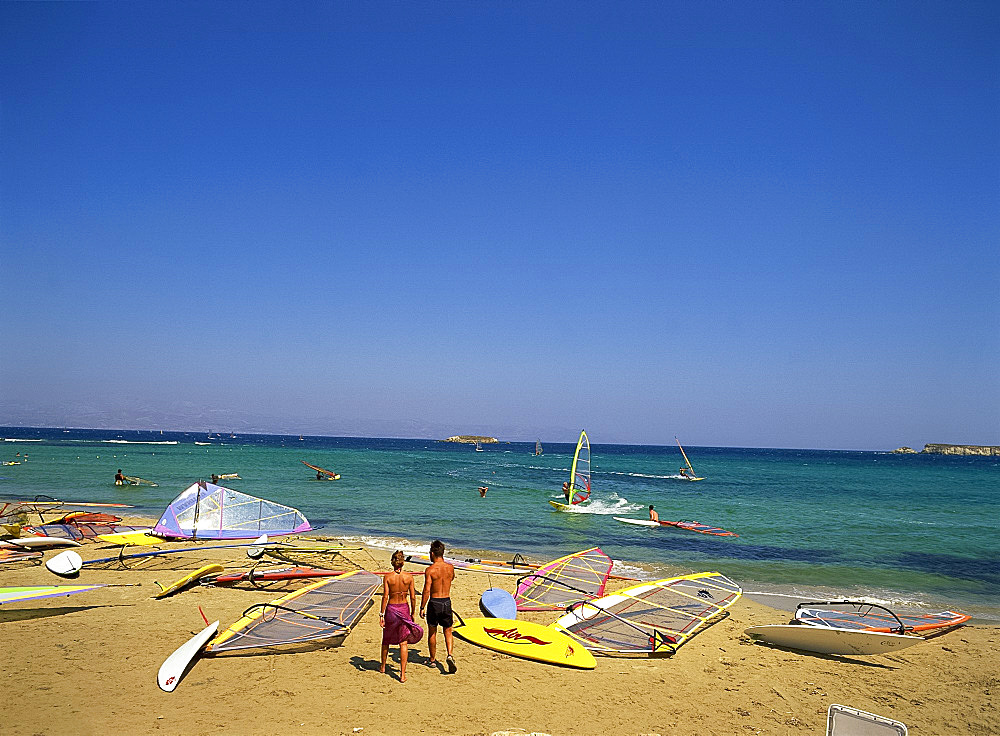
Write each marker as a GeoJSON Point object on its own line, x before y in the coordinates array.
{"type": "Point", "coordinates": [436, 600]}
{"type": "Point", "coordinates": [119, 478]}
{"type": "Point", "coordinates": [396, 615]}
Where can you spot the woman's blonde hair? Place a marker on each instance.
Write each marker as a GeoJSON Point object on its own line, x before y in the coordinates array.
{"type": "Point", "coordinates": [398, 558]}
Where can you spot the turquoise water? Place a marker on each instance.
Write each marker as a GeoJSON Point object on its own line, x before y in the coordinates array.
{"type": "Point", "coordinates": [816, 524]}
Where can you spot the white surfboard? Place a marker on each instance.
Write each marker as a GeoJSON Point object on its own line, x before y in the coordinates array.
{"type": "Point", "coordinates": [41, 542]}
{"type": "Point", "coordinates": [65, 564]}
{"type": "Point", "coordinates": [637, 522]}
{"type": "Point", "coordinates": [174, 666]}
{"type": "Point", "coordinates": [823, 640]}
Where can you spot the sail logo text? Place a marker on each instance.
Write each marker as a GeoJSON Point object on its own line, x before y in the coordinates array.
{"type": "Point", "coordinates": [512, 635]}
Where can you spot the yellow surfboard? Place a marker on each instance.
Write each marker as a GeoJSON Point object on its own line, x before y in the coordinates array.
{"type": "Point", "coordinates": [126, 538]}
{"type": "Point", "coordinates": [526, 639]}
{"type": "Point", "coordinates": [191, 577]}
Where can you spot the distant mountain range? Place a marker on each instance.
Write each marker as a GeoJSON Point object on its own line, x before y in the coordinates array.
{"type": "Point", "coordinates": [188, 417]}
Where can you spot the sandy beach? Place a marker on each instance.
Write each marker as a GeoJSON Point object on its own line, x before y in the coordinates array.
{"type": "Point", "coordinates": [87, 664]}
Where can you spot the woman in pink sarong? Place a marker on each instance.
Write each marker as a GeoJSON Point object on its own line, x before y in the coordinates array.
{"type": "Point", "coordinates": [396, 616]}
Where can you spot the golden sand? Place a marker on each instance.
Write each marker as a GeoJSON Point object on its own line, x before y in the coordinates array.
{"type": "Point", "coordinates": [87, 664]}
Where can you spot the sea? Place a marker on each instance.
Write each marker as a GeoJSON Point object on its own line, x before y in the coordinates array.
{"type": "Point", "coordinates": [916, 531]}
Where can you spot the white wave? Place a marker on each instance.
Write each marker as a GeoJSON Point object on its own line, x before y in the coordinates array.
{"type": "Point", "coordinates": [408, 546]}
{"type": "Point", "coordinates": [628, 571]}
{"type": "Point", "coordinates": [613, 505]}
{"type": "Point", "coordinates": [15, 439]}
{"type": "Point", "coordinates": [639, 475]}
{"type": "Point", "coordinates": [138, 442]}
{"type": "Point", "coordinates": [203, 443]}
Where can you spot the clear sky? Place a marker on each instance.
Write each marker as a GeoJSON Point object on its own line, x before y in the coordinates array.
{"type": "Point", "coordinates": [756, 224]}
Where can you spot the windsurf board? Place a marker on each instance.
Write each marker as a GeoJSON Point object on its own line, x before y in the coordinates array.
{"type": "Point", "coordinates": [498, 603]}
{"type": "Point", "coordinates": [191, 577]}
{"type": "Point", "coordinates": [65, 564]}
{"type": "Point", "coordinates": [825, 640]}
{"type": "Point", "coordinates": [526, 640]}
{"type": "Point", "coordinates": [176, 664]}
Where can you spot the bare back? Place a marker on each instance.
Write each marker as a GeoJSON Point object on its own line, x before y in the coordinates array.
{"type": "Point", "coordinates": [399, 587]}
{"type": "Point", "coordinates": [437, 579]}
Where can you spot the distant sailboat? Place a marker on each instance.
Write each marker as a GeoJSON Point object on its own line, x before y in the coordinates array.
{"type": "Point", "coordinates": [692, 476]}
{"type": "Point", "coordinates": [538, 448]}
{"type": "Point", "coordinates": [479, 447]}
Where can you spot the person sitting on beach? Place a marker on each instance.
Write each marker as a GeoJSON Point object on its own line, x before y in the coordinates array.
{"type": "Point", "coordinates": [482, 491]}
{"type": "Point", "coordinates": [396, 616]}
{"type": "Point", "coordinates": [653, 516]}
{"type": "Point", "coordinates": [437, 587]}
{"type": "Point", "coordinates": [119, 478]}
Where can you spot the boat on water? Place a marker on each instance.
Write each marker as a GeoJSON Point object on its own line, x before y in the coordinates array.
{"type": "Point", "coordinates": [577, 490]}
{"type": "Point", "coordinates": [538, 448]}
{"type": "Point", "coordinates": [479, 447]}
{"type": "Point", "coordinates": [687, 473]}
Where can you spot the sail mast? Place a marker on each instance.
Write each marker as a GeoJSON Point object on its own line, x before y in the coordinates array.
{"type": "Point", "coordinates": [684, 454]}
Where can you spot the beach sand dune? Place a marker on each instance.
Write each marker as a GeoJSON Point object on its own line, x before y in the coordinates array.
{"type": "Point", "coordinates": [87, 664]}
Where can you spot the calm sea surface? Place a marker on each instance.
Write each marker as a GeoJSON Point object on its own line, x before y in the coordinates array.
{"type": "Point", "coordinates": [815, 524]}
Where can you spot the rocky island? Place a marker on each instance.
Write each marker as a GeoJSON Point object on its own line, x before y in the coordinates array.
{"type": "Point", "coordinates": [471, 439]}
{"type": "Point", "coordinates": [987, 450]}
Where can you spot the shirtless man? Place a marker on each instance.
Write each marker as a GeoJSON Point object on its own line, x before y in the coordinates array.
{"type": "Point", "coordinates": [119, 478]}
{"type": "Point", "coordinates": [437, 587]}
{"type": "Point", "coordinates": [566, 490]}
{"type": "Point", "coordinates": [653, 516]}
{"type": "Point", "coordinates": [684, 473]}
{"type": "Point", "coordinates": [396, 616]}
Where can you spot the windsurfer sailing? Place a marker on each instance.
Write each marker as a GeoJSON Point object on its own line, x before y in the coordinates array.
{"type": "Point", "coordinates": [653, 516]}
{"type": "Point", "coordinates": [567, 490]}
{"type": "Point", "coordinates": [684, 473]}
{"type": "Point", "coordinates": [437, 588]}
{"type": "Point", "coordinates": [396, 615]}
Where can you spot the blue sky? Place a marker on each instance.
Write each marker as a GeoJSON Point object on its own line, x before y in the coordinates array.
{"type": "Point", "coordinates": [760, 224]}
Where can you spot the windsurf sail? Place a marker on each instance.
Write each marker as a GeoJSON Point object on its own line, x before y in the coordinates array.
{"type": "Point", "coordinates": [260, 575]}
{"type": "Point", "coordinates": [651, 618]}
{"type": "Point", "coordinates": [134, 480]}
{"type": "Point", "coordinates": [87, 517]}
{"type": "Point", "coordinates": [579, 473]}
{"type": "Point", "coordinates": [330, 475]}
{"type": "Point", "coordinates": [577, 577]}
{"type": "Point", "coordinates": [207, 511]}
{"type": "Point", "coordinates": [15, 595]}
{"type": "Point", "coordinates": [538, 447]}
{"type": "Point", "coordinates": [81, 532]}
{"type": "Point", "coordinates": [319, 613]}
{"type": "Point", "coordinates": [861, 616]}
{"type": "Point", "coordinates": [19, 555]}
{"type": "Point", "coordinates": [697, 526]}
{"type": "Point", "coordinates": [686, 461]}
